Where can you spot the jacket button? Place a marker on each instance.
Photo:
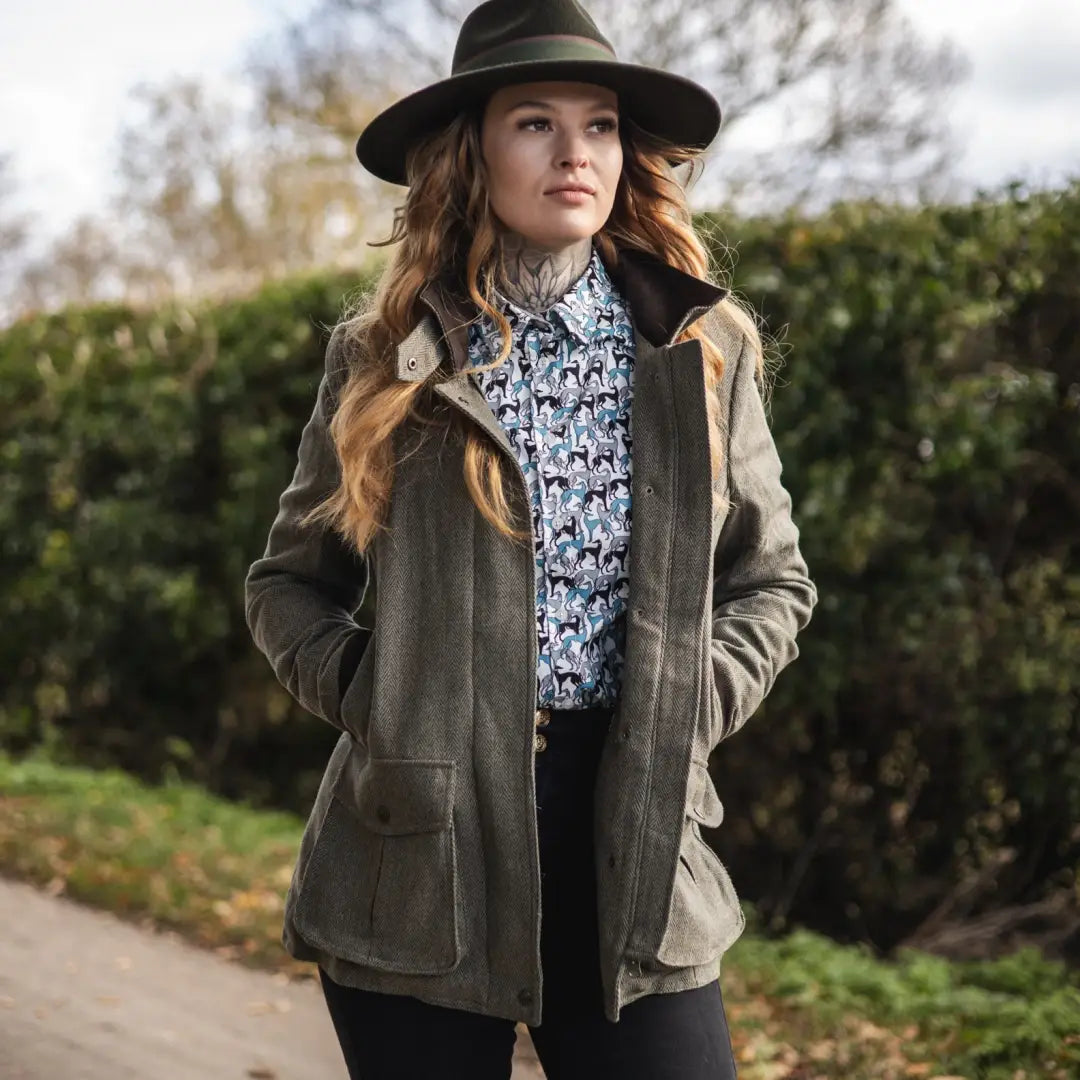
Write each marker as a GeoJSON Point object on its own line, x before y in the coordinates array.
{"type": "Point", "coordinates": [525, 996]}
{"type": "Point", "coordinates": [382, 812]}
{"type": "Point", "coordinates": [611, 861]}
{"type": "Point", "coordinates": [540, 741]}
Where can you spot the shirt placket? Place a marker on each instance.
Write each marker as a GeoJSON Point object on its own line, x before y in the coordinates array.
{"type": "Point", "coordinates": [534, 434]}
{"type": "Point", "coordinates": [549, 379]}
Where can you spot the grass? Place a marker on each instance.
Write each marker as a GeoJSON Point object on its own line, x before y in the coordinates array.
{"type": "Point", "coordinates": [1012, 1018]}
{"type": "Point", "coordinates": [800, 1007]}
{"type": "Point", "coordinates": [214, 871]}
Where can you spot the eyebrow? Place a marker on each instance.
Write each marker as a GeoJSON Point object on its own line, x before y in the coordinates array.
{"type": "Point", "coordinates": [531, 104]}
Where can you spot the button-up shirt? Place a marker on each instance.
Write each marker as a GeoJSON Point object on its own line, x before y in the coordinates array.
{"type": "Point", "coordinates": [564, 398]}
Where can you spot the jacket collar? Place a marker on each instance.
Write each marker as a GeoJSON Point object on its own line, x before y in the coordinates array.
{"type": "Point", "coordinates": [663, 301]}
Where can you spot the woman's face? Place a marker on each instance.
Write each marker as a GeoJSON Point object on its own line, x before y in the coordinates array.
{"type": "Point", "coordinates": [538, 137]}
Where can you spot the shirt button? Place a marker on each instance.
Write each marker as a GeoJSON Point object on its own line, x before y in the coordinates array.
{"type": "Point", "coordinates": [525, 996]}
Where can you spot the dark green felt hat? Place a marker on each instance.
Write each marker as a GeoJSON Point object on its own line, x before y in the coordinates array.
{"type": "Point", "coordinates": [513, 41]}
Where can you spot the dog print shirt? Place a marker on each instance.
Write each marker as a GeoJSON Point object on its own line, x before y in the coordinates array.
{"type": "Point", "coordinates": [564, 397]}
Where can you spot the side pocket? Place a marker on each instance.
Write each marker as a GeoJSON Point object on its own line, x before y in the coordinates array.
{"type": "Point", "coordinates": [382, 888]}
{"type": "Point", "coordinates": [705, 916]}
{"type": "Point", "coordinates": [357, 700]}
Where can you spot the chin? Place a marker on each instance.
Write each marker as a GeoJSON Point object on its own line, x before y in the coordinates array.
{"type": "Point", "coordinates": [564, 237]}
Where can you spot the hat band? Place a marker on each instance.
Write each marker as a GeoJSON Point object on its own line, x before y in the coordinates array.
{"type": "Point", "coordinates": [543, 47]}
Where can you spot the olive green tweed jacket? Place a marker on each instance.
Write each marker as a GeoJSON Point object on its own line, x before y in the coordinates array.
{"type": "Point", "coordinates": [418, 871]}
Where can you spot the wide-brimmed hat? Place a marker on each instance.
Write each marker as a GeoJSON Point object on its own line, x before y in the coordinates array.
{"type": "Point", "coordinates": [512, 41]}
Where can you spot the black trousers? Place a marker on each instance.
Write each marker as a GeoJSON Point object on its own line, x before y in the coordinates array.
{"type": "Point", "coordinates": [678, 1036]}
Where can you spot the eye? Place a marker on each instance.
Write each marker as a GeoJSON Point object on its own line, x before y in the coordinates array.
{"type": "Point", "coordinates": [608, 125]}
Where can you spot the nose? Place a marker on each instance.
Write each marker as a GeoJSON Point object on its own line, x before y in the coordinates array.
{"type": "Point", "coordinates": [572, 151]}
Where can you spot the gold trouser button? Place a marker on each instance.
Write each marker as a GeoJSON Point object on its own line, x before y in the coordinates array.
{"type": "Point", "coordinates": [539, 740]}
{"type": "Point", "coordinates": [543, 717]}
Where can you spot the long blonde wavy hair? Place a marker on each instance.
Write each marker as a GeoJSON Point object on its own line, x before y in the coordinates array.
{"type": "Point", "coordinates": [447, 221]}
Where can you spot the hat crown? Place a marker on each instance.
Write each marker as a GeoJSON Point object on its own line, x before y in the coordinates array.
{"type": "Point", "coordinates": [493, 26]}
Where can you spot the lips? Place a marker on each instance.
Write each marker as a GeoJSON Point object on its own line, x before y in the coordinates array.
{"type": "Point", "coordinates": [584, 188]}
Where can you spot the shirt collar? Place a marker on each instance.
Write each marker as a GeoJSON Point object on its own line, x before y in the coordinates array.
{"type": "Point", "coordinates": [574, 310]}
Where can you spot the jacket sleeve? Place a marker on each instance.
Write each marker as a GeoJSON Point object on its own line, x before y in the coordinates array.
{"type": "Point", "coordinates": [762, 594]}
{"type": "Point", "coordinates": [301, 595]}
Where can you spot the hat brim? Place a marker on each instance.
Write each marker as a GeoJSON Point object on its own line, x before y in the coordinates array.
{"type": "Point", "coordinates": [667, 105]}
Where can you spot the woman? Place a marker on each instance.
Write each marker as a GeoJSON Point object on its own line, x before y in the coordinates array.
{"type": "Point", "coordinates": [544, 440]}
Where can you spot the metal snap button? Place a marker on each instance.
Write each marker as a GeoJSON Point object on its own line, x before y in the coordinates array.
{"type": "Point", "coordinates": [412, 361]}
{"type": "Point", "coordinates": [540, 741]}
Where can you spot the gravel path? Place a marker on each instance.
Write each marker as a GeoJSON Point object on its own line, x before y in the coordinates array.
{"type": "Point", "coordinates": [87, 996]}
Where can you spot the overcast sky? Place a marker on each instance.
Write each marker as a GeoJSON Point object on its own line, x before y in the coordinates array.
{"type": "Point", "coordinates": [65, 66]}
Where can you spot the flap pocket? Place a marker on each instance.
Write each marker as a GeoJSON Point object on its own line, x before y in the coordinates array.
{"type": "Point", "coordinates": [702, 802]}
{"type": "Point", "coordinates": [398, 796]}
{"type": "Point", "coordinates": [381, 885]}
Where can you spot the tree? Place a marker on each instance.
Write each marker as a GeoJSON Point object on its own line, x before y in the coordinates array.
{"type": "Point", "coordinates": [210, 197]}
{"type": "Point", "coordinates": [219, 195]}
{"type": "Point", "coordinates": [80, 266]}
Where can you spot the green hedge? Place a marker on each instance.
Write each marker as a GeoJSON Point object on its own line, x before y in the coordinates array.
{"type": "Point", "coordinates": [927, 417]}
{"type": "Point", "coordinates": [143, 459]}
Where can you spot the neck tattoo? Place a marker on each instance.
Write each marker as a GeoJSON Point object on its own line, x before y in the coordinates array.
{"type": "Point", "coordinates": [534, 278]}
